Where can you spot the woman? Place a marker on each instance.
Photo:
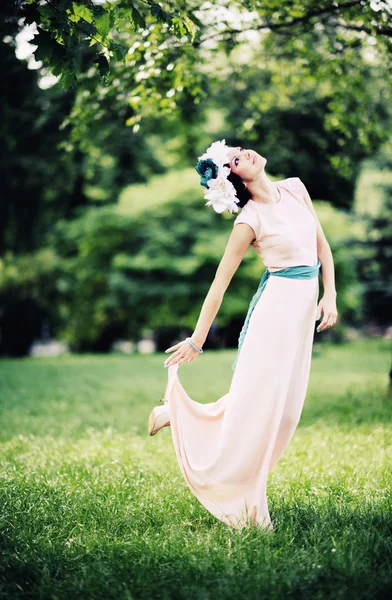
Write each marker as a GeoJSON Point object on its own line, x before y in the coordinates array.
{"type": "Point", "coordinates": [225, 449]}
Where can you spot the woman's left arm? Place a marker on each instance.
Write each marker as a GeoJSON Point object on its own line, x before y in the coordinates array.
{"type": "Point", "coordinates": [327, 304]}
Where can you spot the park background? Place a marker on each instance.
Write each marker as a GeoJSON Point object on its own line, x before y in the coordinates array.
{"type": "Point", "coordinates": [107, 252]}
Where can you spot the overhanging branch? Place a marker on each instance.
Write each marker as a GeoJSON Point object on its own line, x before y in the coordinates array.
{"type": "Point", "coordinates": [333, 9]}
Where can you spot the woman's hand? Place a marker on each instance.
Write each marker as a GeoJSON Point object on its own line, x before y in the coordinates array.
{"type": "Point", "coordinates": [327, 304]}
{"type": "Point", "coordinates": [182, 352]}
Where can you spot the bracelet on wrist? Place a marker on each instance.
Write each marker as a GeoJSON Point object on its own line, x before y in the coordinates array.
{"type": "Point", "coordinates": [199, 350]}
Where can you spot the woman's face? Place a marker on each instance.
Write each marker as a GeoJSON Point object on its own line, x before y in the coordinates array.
{"type": "Point", "coordinates": [246, 163]}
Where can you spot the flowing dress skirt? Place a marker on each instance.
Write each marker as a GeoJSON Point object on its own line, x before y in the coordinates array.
{"type": "Point", "coordinates": [226, 449]}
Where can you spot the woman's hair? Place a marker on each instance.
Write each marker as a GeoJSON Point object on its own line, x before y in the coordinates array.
{"type": "Point", "coordinates": [243, 194]}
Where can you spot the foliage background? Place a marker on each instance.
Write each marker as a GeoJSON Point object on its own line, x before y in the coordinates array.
{"type": "Point", "coordinates": [103, 229]}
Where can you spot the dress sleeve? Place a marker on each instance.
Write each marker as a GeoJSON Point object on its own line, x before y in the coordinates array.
{"type": "Point", "coordinates": [298, 187]}
{"type": "Point", "coordinates": [249, 215]}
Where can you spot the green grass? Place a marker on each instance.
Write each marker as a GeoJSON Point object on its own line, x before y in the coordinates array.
{"type": "Point", "coordinates": [92, 507]}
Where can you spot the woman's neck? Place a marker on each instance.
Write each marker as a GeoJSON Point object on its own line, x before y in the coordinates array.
{"type": "Point", "coordinates": [263, 190]}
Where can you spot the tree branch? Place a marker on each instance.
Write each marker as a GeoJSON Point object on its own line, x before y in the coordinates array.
{"type": "Point", "coordinates": [77, 25]}
{"type": "Point", "coordinates": [332, 9]}
{"type": "Point", "coordinates": [378, 29]}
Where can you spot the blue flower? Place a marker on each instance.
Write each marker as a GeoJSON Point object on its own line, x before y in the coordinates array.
{"type": "Point", "coordinates": [207, 170]}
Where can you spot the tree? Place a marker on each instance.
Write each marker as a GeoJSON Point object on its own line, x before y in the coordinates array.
{"type": "Point", "coordinates": [150, 60]}
{"type": "Point", "coordinates": [45, 173]}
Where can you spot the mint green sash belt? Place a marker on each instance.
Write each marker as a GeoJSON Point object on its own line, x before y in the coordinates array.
{"type": "Point", "coordinates": [297, 272]}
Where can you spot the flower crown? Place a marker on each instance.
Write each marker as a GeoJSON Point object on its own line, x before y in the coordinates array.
{"type": "Point", "coordinates": [221, 193]}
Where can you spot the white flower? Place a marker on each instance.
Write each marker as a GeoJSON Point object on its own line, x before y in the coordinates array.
{"type": "Point", "coordinates": [221, 194]}
{"type": "Point", "coordinates": [217, 152]}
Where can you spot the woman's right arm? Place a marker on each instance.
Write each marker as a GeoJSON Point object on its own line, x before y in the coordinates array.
{"type": "Point", "coordinates": [238, 243]}
{"type": "Point", "coordinates": [241, 236]}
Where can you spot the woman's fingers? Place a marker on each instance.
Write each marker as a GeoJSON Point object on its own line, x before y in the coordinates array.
{"type": "Point", "coordinates": [172, 359]}
{"type": "Point", "coordinates": [182, 359]}
{"type": "Point", "coordinates": [328, 321]}
{"type": "Point", "coordinates": [178, 354]}
{"type": "Point", "coordinates": [327, 324]}
{"type": "Point", "coordinates": [323, 323]}
{"type": "Point", "coordinates": [183, 353]}
{"type": "Point", "coordinates": [172, 348]}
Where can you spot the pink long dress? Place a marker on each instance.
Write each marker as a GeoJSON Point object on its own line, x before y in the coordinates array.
{"type": "Point", "coordinates": [226, 449]}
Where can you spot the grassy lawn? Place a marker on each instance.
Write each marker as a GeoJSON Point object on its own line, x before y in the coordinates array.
{"type": "Point", "coordinates": [92, 507]}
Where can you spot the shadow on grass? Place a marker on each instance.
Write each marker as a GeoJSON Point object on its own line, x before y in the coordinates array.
{"type": "Point", "coordinates": [369, 406]}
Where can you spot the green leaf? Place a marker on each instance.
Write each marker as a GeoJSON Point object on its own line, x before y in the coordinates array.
{"type": "Point", "coordinates": [67, 79]}
{"type": "Point", "coordinates": [63, 4]}
{"type": "Point", "coordinates": [138, 18]}
{"type": "Point", "coordinates": [46, 45]}
{"type": "Point", "coordinates": [158, 12]}
{"type": "Point", "coordinates": [179, 27]}
{"type": "Point", "coordinates": [118, 51]}
{"type": "Point", "coordinates": [191, 27]}
{"type": "Point", "coordinates": [89, 28]}
{"type": "Point", "coordinates": [83, 12]}
{"type": "Point", "coordinates": [103, 65]}
{"type": "Point", "coordinates": [59, 59]}
{"type": "Point", "coordinates": [103, 24]}
{"type": "Point", "coordinates": [31, 13]}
